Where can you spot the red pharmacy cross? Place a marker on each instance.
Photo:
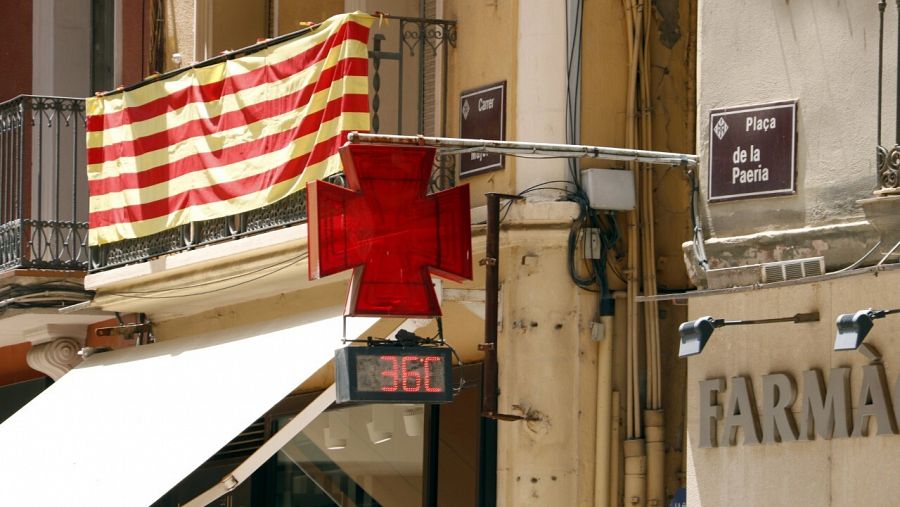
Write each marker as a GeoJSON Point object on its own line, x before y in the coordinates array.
{"type": "Point", "coordinates": [389, 231]}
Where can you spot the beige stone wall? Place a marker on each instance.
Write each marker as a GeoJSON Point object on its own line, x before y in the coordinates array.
{"type": "Point", "coordinates": [179, 33]}
{"type": "Point", "coordinates": [824, 55]}
{"type": "Point", "coordinates": [837, 472]}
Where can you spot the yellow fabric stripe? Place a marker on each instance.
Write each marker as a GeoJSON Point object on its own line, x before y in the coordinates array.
{"type": "Point", "coordinates": [210, 74]}
{"type": "Point", "coordinates": [240, 204]}
{"type": "Point", "coordinates": [228, 138]}
{"type": "Point", "coordinates": [227, 103]}
{"type": "Point", "coordinates": [232, 172]}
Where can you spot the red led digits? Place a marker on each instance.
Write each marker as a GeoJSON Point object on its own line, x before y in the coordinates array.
{"type": "Point", "coordinates": [392, 372]}
{"type": "Point", "coordinates": [411, 373]}
{"type": "Point", "coordinates": [428, 360]}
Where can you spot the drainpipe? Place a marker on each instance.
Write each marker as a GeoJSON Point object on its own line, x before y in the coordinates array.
{"type": "Point", "coordinates": [635, 472]}
{"type": "Point", "coordinates": [654, 429]}
{"type": "Point", "coordinates": [603, 437]}
{"type": "Point", "coordinates": [615, 454]}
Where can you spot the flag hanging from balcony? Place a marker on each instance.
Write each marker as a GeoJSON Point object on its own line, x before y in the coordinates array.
{"type": "Point", "coordinates": [227, 137]}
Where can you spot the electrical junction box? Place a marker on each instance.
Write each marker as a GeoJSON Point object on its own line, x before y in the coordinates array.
{"type": "Point", "coordinates": [609, 189]}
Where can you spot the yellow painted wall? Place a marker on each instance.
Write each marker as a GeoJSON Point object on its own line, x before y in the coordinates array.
{"type": "Point", "coordinates": [292, 12]}
{"type": "Point", "coordinates": [238, 23]}
{"type": "Point", "coordinates": [485, 53]}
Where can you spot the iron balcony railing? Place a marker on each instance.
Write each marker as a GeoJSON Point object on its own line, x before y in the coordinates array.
{"type": "Point", "coordinates": [43, 184]}
{"type": "Point", "coordinates": [408, 72]}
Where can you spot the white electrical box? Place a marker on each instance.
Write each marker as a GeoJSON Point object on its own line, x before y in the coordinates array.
{"type": "Point", "coordinates": [609, 189]}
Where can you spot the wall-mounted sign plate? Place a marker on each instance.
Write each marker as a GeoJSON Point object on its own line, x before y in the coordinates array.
{"type": "Point", "coordinates": [753, 151]}
{"type": "Point", "coordinates": [482, 115]}
{"type": "Point", "coordinates": [388, 374]}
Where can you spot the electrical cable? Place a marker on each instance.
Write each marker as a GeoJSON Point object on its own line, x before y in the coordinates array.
{"type": "Point", "coordinates": [861, 259]}
{"type": "Point", "coordinates": [298, 259]}
{"type": "Point", "coordinates": [292, 260]}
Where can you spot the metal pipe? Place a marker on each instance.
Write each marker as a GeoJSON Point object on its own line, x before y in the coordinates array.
{"type": "Point", "coordinates": [897, 118]}
{"type": "Point", "coordinates": [881, 6]}
{"type": "Point", "coordinates": [785, 283]}
{"type": "Point", "coordinates": [57, 107]}
{"type": "Point", "coordinates": [797, 318]}
{"type": "Point", "coordinates": [20, 165]}
{"type": "Point", "coordinates": [75, 162]}
{"type": "Point", "coordinates": [421, 75]}
{"type": "Point", "coordinates": [527, 148]}
{"type": "Point", "coordinates": [400, 79]}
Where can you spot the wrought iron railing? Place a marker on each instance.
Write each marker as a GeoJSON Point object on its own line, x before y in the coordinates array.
{"type": "Point", "coordinates": [395, 46]}
{"type": "Point", "coordinates": [43, 184]}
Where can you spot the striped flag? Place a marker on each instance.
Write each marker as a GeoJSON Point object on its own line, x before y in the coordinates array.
{"type": "Point", "coordinates": [229, 137]}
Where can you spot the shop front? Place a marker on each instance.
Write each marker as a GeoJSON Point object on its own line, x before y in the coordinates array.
{"type": "Point", "coordinates": [777, 416]}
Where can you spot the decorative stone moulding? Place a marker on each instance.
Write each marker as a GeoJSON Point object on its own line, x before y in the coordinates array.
{"type": "Point", "coordinates": [54, 358]}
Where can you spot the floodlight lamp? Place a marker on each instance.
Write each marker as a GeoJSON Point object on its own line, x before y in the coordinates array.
{"type": "Point", "coordinates": [852, 328]}
{"type": "Point", "coordinates": [695, 333]}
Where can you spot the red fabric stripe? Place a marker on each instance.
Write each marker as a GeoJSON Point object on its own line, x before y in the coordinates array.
{"type": "Point", "coordinates": [233, 154]}
{"type": "Point", "coordinates": [203, 127]}
{"type": "Point", "coordinates": [214, 91]}
{"type": "Point", "coordinates": [223, 191]}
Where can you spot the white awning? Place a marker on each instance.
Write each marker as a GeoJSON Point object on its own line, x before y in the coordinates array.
{"type": "Point", "coordinates": [125, 426]}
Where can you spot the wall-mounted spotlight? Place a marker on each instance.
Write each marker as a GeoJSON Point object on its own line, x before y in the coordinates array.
{"type": "Point", "coordinates": [414, 420]}
{"type": "Point", "coordinates": [695, 333]}
{"type": "Point", "coordinates": [852, 328]}
{"type": "Point", "coordinates": [381, 426]}
{"type": "Point", "coordinates": [338, 430]}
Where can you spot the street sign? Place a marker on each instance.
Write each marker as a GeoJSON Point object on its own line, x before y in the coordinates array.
{"type": "Point", "coordinates": [393, 374]}
{"type": "Point", "coordinates": [752, 151]}
{"type": "Point", "coordinates": [482, 115]}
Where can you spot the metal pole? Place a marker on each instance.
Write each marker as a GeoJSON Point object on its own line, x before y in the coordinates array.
{"type": "Point", "coordinates": [528, 148]}
{"type": "Point", "coordinates": [432, 444]}
{"type": "Point", "coordinates": [490, 389]}
{"type": "Point", "coordinates": [881, 6]}
{"type": "Point", "coordinates": [489, 380]}
{"type": "Point", "coordinates": [897, 118]}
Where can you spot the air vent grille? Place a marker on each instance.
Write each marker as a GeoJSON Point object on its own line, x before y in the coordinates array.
{"type": "Point", "coordinates": [793, 269]}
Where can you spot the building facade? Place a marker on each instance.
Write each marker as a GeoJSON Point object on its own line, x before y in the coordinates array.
{"type": "Point", "coordinates": [219, 339]}
{"type": "Point", "coordinates": [819, 427]}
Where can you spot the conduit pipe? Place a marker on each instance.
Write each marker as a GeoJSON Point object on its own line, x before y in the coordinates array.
{"type": "Point", "coordinates": [654, 431]}
{"type": "Point", "coordinates": [603, 437]}
{"type": "Point", "coordinates": [656, 457]}
{"type": "Point", "coordinates": [635, 472]}
{"type": "Point", "coordinates": [615, 454]}
{"type": "Point", "coordinates": [635, 459]}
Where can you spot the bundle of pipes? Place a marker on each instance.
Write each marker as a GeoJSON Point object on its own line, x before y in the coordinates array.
{"type": "Point", "coordinates": [644, 449]}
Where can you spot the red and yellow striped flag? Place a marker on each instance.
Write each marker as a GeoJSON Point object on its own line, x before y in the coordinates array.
{"type": "Point", "coordinates": [226, 138]}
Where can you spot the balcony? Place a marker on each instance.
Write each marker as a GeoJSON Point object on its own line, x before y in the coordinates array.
{"type": "Point", "coordinates": [408, 67]}
{"type": "Point", "coordinates": [43, 211]}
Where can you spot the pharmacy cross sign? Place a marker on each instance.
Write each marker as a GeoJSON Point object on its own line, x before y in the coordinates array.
{"type": "Point", "coordinates": [389, 231]}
